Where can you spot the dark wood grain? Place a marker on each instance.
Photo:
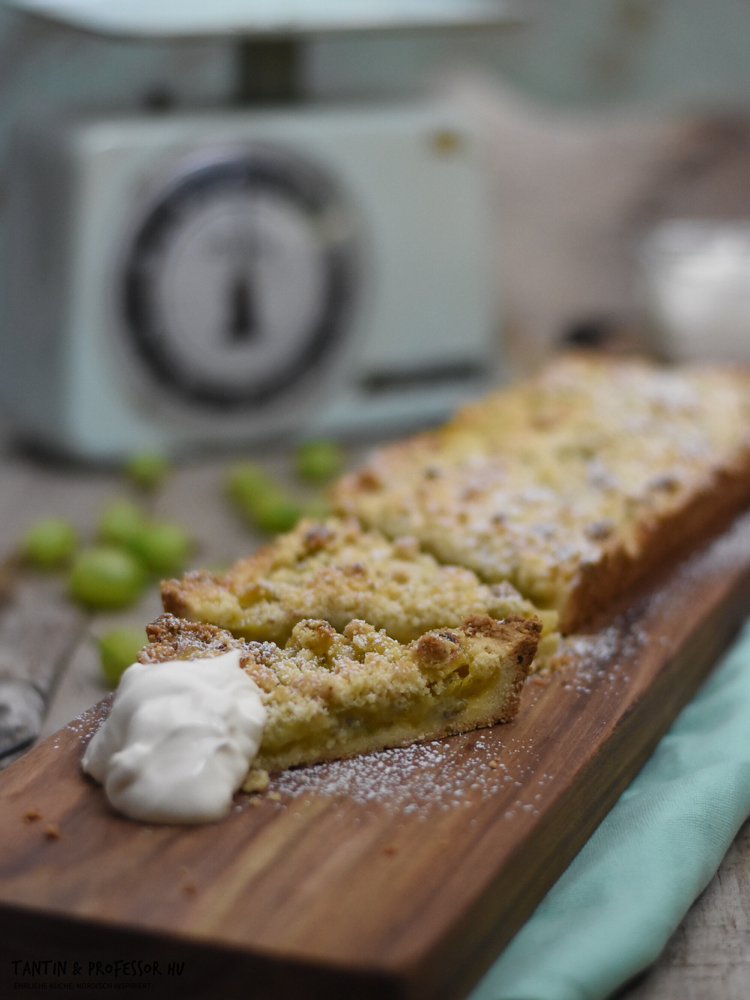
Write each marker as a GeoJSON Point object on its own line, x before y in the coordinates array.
{"type": "Point", "coordinates": [333, 895]}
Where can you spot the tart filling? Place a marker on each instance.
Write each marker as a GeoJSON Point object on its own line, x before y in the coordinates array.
{"type": "Point", "coordinates": [337, 572]}
{"type": "Point", "coordinates": [330, 694]}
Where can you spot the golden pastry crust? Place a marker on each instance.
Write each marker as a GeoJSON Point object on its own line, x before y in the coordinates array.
{"type": "Point", "coordinates": [338, 572]}
{"type": "Point", "coordinates": [333, 694]}
{"type": "Point", "coordinates": [572, 485]}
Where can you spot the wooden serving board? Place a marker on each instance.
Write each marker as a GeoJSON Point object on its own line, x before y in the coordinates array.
{"type": "Point", "coordinates": [401, 874]}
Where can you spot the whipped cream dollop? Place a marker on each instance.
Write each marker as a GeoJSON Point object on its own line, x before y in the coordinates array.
{"type": "Point", "coordinates": [179, 739]}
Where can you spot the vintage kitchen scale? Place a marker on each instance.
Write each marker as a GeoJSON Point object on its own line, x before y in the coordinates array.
{"type": "Point", "coordinates": [232, 275]}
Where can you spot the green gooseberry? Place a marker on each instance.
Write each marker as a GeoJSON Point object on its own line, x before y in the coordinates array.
{"type": "Point", "coordinates": [105, 576]}
{"type": "Point", "coordinates": [119, 649]}
{"type": "Point", "coordinates": [274, 511]}
{"type": "Point", "coordinates": [50, 543]}
{"type": "Point", "coordinates": [163, 547]}
{"type": "Point", "coordinates": [318, 461]}
{"type": "Point", "coordinates": [121, 522]}
{"type": "Point", "coordinates": [147, 469]}
{"type": "Point", "coordinates": [247, 480]}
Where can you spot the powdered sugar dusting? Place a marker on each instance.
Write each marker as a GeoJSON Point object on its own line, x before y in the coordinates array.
{"type": "Point", "coordinates": [730, 551]}
{"type": "Point", "coordinates": [600, 657]}
{"type": "Point", "coordinates": [420, 777]}
{"type": "Point", "coordinates": [87, 723]}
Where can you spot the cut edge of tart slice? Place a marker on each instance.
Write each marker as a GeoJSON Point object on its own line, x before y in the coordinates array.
{"type": "Point", "coordinates": [337, 571]}
{"type": "Point", "coordinates": [332, 694]}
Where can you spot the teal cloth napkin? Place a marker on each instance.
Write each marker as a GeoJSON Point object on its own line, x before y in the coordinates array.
{"type": "Point", "coordinates": [612, 911]}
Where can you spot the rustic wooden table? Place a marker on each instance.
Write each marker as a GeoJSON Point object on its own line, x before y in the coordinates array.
{"type": "Point", "coordinates": [708, 956]}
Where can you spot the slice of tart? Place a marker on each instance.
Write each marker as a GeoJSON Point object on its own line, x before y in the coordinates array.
{"type": "Point", "coordinates": [571, 485]}
{"type": "Point", "coordinates": [331, 694]}
{"type": "Point", "coordinates": [337, 572]}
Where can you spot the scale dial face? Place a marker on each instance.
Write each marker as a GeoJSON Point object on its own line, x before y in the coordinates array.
{"type": "Point", "coordinates": [240, 280]}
